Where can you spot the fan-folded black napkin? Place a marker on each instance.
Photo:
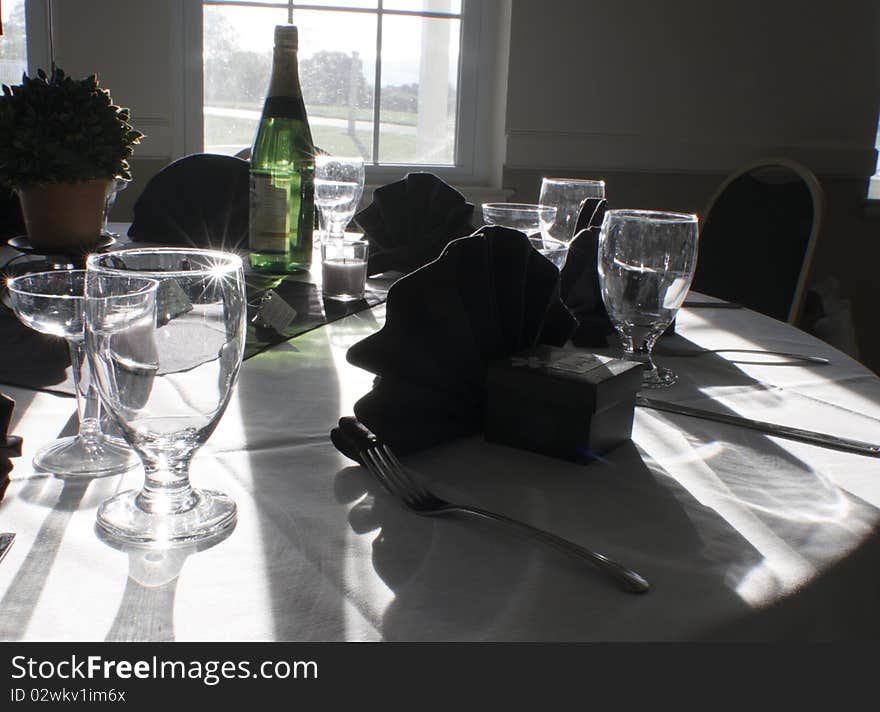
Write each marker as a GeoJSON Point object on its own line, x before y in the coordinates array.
{"type": "Point", "coordinates": [487, 296]}
{"type": "Point", "coordinates": [200, 200]}
{"type": "Point", "coordinates": [580, 278]}
{"type": "Point", "coordinates": [411, 220]}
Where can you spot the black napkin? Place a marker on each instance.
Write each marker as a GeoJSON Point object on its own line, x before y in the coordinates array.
{"type": "Point", "coordinates": [487, 296]}
{"type": "Point", "coordinates": [10, 445]}
{"type": "Point", "coordinates": [580, 278]}
{"type": "Point", "coordinates": [200, 200]}
{"type": "Point", "coordinates": [411, 220]}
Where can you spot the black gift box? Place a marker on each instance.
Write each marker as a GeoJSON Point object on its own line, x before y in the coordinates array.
{"type": "Point", "coordinates": [569, 404]}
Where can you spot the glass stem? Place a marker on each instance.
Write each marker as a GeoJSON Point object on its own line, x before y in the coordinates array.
{"type": "Point", "coordinates": [332, 228]}
{"type": "Point", "coordinates": [167, 489]}
{"type": "Point", "coordinates": [88, 405]}
{"type": "Point", "coordinates": [637, 345]}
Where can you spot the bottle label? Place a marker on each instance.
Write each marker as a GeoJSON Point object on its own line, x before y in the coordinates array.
{"type": "Point", "coordinates": [269, 212]}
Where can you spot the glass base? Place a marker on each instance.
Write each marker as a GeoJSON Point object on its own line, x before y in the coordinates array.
{"type": "Point", "coordinates": [658, 377]}
{"type": "Point", "coordinates": [213, 514]}
{"type": "Point", "coordinates": [69, 457]}
{"type": "Point", "coordinates": [344, 297]}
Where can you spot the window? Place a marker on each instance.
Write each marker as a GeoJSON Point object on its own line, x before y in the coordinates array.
{"type": "Point", "coordinates": [13, 43]}
{"type": "Point", "coordinates": [24, 44]}
{"type": "Point", "coordinates": [874, 185]}
{"type": "Point", "coordinates": [383, 79]}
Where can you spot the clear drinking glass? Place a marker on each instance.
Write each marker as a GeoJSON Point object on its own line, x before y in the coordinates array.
{"type": "Point", "coordinates": [646, 265]}
{"type": "Point", "coordinates": [567, 195]}
{"type": "Point", "coordinates": [167, 376]}
{"type": "Point", "coordinates": [116, 186]}
{"type": "Point", "coordinates": [52, 303]}
{"type": "Point", "coordinates": [339, 184]}
{"type": "Point", "coordinates": [532, 219]}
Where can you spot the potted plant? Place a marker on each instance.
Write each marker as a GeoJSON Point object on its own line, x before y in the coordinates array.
{"type": "Point", "coordinates": [62, 144]}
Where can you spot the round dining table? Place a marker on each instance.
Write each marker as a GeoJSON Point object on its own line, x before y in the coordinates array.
{"type": "Point", "coordinates": [742, 535]}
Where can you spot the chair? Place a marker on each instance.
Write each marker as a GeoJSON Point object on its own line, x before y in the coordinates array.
{"type": "Point", "coordinates": [758, 237]}
{"type": "Point", "coordinates": [11, 219]}
{"type": "Point", "coordinates": [199, 200]}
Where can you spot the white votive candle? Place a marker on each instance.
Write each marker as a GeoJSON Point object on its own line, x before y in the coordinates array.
{"type": "Point", "coordinates": [344, 279]}
{"type": "Point", "coordinates": [344, 269]}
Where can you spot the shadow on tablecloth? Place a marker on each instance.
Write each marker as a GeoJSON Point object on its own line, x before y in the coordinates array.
{"type": "Point", "coordinates": [459, 579]}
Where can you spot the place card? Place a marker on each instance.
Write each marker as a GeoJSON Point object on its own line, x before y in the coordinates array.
{"type": "Point", "coordinates": [274, 313]}
{"type": "Point", "coordinates": [171, 301]}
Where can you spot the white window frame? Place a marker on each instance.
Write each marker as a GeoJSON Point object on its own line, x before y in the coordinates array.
{"type": "Point", "coordinates": [474, 95]}
{"type": "Point", "coordinates": [36, 17]}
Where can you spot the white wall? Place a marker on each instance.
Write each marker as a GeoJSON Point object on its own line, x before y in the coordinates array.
{"type": "Point", "coordinates": [693, 85]}
{"type": "Point", "coordinates": [128, 43]}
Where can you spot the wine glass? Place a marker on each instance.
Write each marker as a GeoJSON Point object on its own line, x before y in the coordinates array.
{"type": "Point", "coordinates": [646, 265]}
{"type": "Point", "coordinates": [116, 186]}
{"type": "Point", "coordinates": [167, 377]}
{"type": "Point", "coordinates": [339, 184]}
{"type": "Point", "coordinates": [568, 195]}
{"type": "Point", "coordinates": [533, 220]}
{"type": "Point", "coordinates": [52, 303]}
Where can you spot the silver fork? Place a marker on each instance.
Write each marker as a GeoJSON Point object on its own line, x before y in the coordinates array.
{"type": "Point", "coordinates": [382, 462]}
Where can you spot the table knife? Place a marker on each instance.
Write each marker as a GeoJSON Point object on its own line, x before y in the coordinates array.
{"type": "Point", "coordinates": [783, 431]}
{"type": "Point", "coordinates": [704, 304]}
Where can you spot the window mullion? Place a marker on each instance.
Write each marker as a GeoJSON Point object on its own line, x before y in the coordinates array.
{"type": "Point", "coordinates": [377, 84]}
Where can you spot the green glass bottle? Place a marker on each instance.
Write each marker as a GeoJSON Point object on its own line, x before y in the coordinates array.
{"type": "Point", "coordinates": [282, 198]}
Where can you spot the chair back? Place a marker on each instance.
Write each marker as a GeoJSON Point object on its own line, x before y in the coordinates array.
{"type": "Point", "coordinates": [199, 200]}
{"type": "Point", "coordinates": [758, 237]}
{"type": "Point", "coordinates": [11, 219]}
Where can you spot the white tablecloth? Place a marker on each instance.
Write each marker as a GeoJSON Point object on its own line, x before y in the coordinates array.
{"type": "Point", "coordinates": [741, 535]}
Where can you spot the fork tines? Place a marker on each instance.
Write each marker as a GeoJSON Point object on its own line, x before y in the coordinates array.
{"type": "Point", "coordinates": [382, 462]}
{"type": "Point", "coordinates": [387, 468]}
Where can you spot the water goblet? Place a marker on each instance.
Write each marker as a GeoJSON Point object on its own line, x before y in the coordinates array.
{"type": "Point", "coordinates": [53, 303]}
{"type": "Point", "coordinates": [167, 377]}
{"type": "Point", "coordinates": [532, 219]}
{"type": "Point", "coordinates": [568, 195]}
{"type": "Point", "coordinates": [339, 184]}
{"type": "Point", "coordinates": [646, 266]}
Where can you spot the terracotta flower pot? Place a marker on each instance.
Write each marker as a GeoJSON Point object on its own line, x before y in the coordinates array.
{"type": "Point", "coordinates": [64, 216]}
